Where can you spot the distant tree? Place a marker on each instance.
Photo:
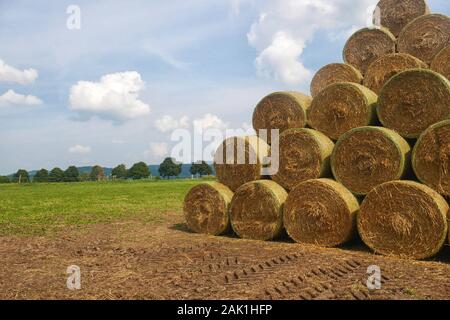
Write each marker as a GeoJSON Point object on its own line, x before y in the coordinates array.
{"type": "Point", "coordinates": [119, 172]}
{"type": "Point", "coordinates": [41, 176]}
{"type": "Point", "coordinates": [169, 168]}
{"type": "Point", "coordinates": [4, 179]}
{"type": "Point", "coordinates": [71, 174]}
{"type": "Point", "coordinates": [201, 169]}
{"type": "Point", "coordinates": [85, 177]}
{"type": "Point", "coordinates": [97, 174]}
{"type": "Point", "coordinates": [194, 168]}
{"type": "Point", "coordinates": [56, 175]}
{"type": "Point", "coordinates": [138, 171]}
{"type": "Point", "coordinates": [21, 176]}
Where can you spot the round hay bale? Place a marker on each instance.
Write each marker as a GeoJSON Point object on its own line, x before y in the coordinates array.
{"type": "Point", "coordinates": [334, 73]}
{"type": "Point", "coordinates": [257, 210]}
{"type": "Point", "coordinates": [367, 45]}
{"type": "Point", "coordinates": [369, 156]}
{"type": "Point", "coordinates": [384, 68]}
{"type": "Point", "coordinates": [304, 154]}
{"type": "Point", "coordinates": [281, 110]}
{"type": "Point", "coordinates": [441, 63]}
{"type": "Point", "coordinates": [395, 14]}
{"type": "Point", "coordinates": [431, 157]}
{"type": "Point", "coordinates": [341, 107]}
{"type": "Point", "coordinates": [206, 208]}
{"type": "Point", "coordinates": [239, 160]}
{"type": "Point", "coordinates": [321, 212]}
{"type": "Point", "coordinates": [414, 100]}
{"type": "Point", "coordinates": [425, 36]}
{"type": "Point", "coordinates": [404, 218]}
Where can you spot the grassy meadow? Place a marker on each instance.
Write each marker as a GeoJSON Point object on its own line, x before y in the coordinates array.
{"type": "Point", "coordinates": [39, 208]}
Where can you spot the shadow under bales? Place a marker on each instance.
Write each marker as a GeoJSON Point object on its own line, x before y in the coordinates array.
{"type": "Point", "coordinates": [354, 245]}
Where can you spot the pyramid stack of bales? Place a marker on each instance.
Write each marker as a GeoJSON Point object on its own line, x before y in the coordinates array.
{"type": "Point", "coordinates": [367, 154]}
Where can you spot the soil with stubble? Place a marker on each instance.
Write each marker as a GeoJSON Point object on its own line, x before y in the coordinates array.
{"type": "Point", "coordinates": [134, 260]}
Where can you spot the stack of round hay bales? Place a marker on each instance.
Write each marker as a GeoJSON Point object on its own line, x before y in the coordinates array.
{"type": "Point", "coordinates": [387, 108]}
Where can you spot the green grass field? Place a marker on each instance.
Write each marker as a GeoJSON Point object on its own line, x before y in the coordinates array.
{"type": "Point", "coordinates": [36, 209]}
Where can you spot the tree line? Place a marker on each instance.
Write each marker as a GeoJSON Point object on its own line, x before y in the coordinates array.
{"type": "Point", "coordinates": [167, 169]}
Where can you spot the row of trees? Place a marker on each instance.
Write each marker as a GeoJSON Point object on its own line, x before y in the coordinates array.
{"type": "Point", "coordinates": [71, 174]}
{"type": "Point", "coordinates": [167, 169]}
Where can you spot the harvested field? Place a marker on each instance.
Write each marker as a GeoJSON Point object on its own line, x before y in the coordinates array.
{"type": "Point", "coordinates": [386, 67]}
{"type": "Point", "coordinates": [282, 111]}
{"type": "Point", "coordinates": [395, 14]}
{"type": "Point", "coordinates": [321, 212]}
{"type": "Point", "coordinates": [369, 156]}
{"type": "Point", "coordinates": [441, 63]}
{"type": "Point", "coordinates": [431, 157]}
{"type": "Point", "coordinates": [367, 45]}
{"type": "Point", "coordinates": [425, 36]}
{"type": "Point", "coordinates": [414, 100]}
{"type": "Point", "coordinates": [135, 260]}
{"type": "Point", "coordinates": [334, 73]}
{"type": "Point", "coordinates": [142, 249]}
{"type": "Point", "coordinates": [404, 218]}
{"type": "Point", "coordinates": [257, 210]}
{"type": "Point", "coordinates": [239, 160]}
{"type": "Point", "coordinates": [304, 154]}
{"type": "Point", "coordinates": [206, 208]}
{"type": "Point", "coordinates": [341, 107]}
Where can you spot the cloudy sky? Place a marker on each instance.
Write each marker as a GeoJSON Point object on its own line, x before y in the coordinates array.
{"type": "Point", "coordinates": [113, 90]}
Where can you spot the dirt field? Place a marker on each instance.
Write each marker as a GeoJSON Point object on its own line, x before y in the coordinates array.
{"type": "Point", "coordinates": [134, 260]}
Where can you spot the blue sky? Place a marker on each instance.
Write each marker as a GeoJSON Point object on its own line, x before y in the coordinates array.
{"type": "Point", "coordinates": [159, 66]}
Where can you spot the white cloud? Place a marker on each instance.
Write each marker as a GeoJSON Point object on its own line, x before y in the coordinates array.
{"type": "Point", "coordinates": [11, 74]}
{"type": "Point", "coordinates": [285, 27]}
{"type": "Point", "coordinates": [11, 98]}
{"type": "Point", "coordinates": [157, 150]}
{"type": "Point", "coordinates": [280, 60]}
{"type": "Point", "coordinates": [79, 149]}
{"type": "Point", "coordinates": [115, 96]}
{"type": "Point", "coordinates": [209, 121]}
{"type": "Point", "coordinates": [169, 123]}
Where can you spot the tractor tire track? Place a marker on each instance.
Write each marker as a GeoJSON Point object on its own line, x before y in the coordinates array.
{"type": "Point", "coordinates": [317, 283]}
